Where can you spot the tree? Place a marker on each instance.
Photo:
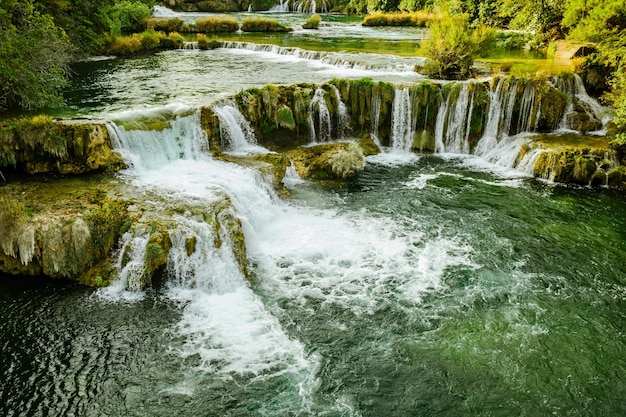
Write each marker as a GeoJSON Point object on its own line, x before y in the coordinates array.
{"type": "Point", "coordinates": [34, 57]}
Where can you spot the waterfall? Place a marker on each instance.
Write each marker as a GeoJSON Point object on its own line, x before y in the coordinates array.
{"type": "Point", "coordinates": [401, 123]}
{"type": "Point", "coordinates": [576, 92]}
{"type": "Point", "coordinates": [341, 60]}
{"type": "Point", "coordinates": [236, 134]}
{"type": "Point", "coordinates": [343, 118]}
{"type": "Point", "coordinates": [527, 121]}
{"type": "Point", "coordinates": [501, 104]}
{"type": "Point", "coordinates": [318, 105]}
{"type": "Point", "coordinates": [282, 7]}
{"type": "Point", "coordinates": [454, 122]}
{"type": "Point", "coordinates": [190, 45]}
{"type": "Point", "coordinates": [375, 116]}
{"type": "Point", "coordinates": [150, 149]}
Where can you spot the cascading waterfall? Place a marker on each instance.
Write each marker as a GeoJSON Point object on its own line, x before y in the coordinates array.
{"type": "Point", "coordinates": [134, 145]}
{"type": "Point", "coordinates": [501, 104]}
{"type": "Point", "coordinates": [190, 45]}
{"type": "Point", "coordinates": [236, 134]}
{"type": "Point", "coordinates": [375, 116]}
{"type": "Point", "coordinates": [527, 121]}
{"type": "Point", "coordinates": [401, 123]}
{"type": "Point", "coordinates": [343, 118]}
{"type": "Point", "coordinates": [453, 122]}
{"type": "Point", "coordinates": [575, 90]}
{"type": "Point", "coordinates": [318, 105]}
{"type": "Point", "coordinates": [340, 60]}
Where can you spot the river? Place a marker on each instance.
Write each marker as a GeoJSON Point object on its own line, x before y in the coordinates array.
{"type": "Point", "coordinates": [431, 285]}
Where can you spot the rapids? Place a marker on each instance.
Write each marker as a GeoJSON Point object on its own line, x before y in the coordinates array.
{"type": "Point", "coordinates": [436, 285]}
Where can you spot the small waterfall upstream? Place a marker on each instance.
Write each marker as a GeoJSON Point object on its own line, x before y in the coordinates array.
{"type": "Point", "coordinates": [392, 65]}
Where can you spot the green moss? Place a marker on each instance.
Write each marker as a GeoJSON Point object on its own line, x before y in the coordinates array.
{"type": "Point", "coordinates": [285, 118]}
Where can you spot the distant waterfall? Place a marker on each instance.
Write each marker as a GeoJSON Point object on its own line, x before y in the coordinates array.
{"type": "Point", "coordinates": [341, 60]}
{"type": "Point", "coordinates": [401, 123]}
{"type": "Point", "coordinates": [282, 7]}
{"type": "Point", "coordinates": [151, 149]}
{"type": "Point", "coordinates": [318, 106]}
{"type": "Point", "coordinates": [236, 134]}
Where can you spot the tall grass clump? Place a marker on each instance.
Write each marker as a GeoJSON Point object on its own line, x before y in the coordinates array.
{"type": "Point", "coordinates": [217, 24]}
{"type": "Point", "coordinates": [313, 22]}
{"type": "Point", "coordinates": [263, 24]}
{"type": "Point", "coordinates": [417, 19]}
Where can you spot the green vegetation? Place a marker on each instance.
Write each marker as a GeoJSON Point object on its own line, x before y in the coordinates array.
{"type": "Point", "coordinates": [263, 24]}
{"type": "Point", "coordinates": [217, 24]}
{"type": "Point", "coordinates": [313, 22]}
{"type": "Point", "coordinates": [34, 57]}
{"type": "Point", "coordinates": [419, 19]}
{"type": "Point", "coordinates": [165, 25]}
{"type": "Point", "coordinates": [452, 46]}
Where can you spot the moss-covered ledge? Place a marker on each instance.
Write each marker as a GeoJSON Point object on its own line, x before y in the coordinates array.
{"type": "Point", "coordinates": [41, 145]}
{"type": "Point", "coordinates": [574, 159]}
{"type": "Point", "coordinates": [62, 228]}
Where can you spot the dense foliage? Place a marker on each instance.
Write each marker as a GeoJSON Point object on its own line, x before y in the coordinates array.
{"type": "Point", "coordinates": [34, 57]}
{"type": "Point", "coordinates": [452, 46]}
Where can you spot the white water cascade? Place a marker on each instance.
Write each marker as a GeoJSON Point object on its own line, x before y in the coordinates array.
{"type": "Point", "coordinates": [135, 144]}
{"type": "Point", "coordinates": [375, 112]}
{"type": "Point", "coordinates": [499, 117]}
{"type": "Point", "coordinates": [235, 132]}
{"type": "Point", "coordinates": [401, 123]}
{"type": "Point", "coordinates": [453, 122]}
{"type": "Point", "coordinates": [343, 118]}
{"type": "Point", "coordinates": [318, 106]}
{"type": "Point", "coordinates": [575, 90]}
{"type": "Point", "coordinates": [282, 7]}
{"type": "Point", "coordinates": [386, 64]}
{"type": "Point", "coordinates": [300, 255]}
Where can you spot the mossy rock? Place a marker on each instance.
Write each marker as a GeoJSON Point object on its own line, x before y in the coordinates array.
{"type": "Point", "coordinates": [33, 147]}
{"type": "Point", "coordinates": [333, 161]}
{"type": "Point", "coordinates": [62, 229]}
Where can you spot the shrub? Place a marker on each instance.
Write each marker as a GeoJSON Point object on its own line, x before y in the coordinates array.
{"type": "Point", "coordinates": [418, 19]}
{"type": "Point", "coordinates": [149, 40]}
{"type": "Point", "coordinates": [172, 41]}
{"type": "Point", "coordinates": [452, 46]}
{"type": "Point", "coordinates": [217, 24]}
{"type": "Point", "coordinates": [128, 16]}
{"type": "Point", "coordinates": [263, 24]}
{"type": "Point", "coordinates": [205, 43]}
{"type": "Point", "coordinates": [313, 22]}
{"type": "Point", "coordinates": [126, 45]}
{"type": "Point", "coordinates": [166, 25]}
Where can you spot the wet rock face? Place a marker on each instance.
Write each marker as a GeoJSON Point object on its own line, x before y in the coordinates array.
{"type": "Point", "coordinates": [39, 145]}
{"type": "Point", "coordinates": [59, 230]}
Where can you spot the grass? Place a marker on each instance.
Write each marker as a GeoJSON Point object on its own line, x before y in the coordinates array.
{"type": "Point", "coordinates": [263, 24]}
{"type": "Point", "coordinates": [217, 24]}
{"type": "Point", "coordinates": [417, 19]}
